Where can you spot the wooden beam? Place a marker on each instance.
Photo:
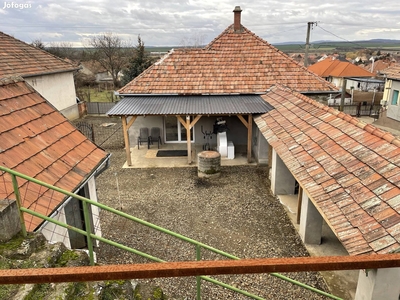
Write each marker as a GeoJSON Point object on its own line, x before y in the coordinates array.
{"type": "Point", "coordinates": [195, 120]}
{"type": "Point", "coordinates": [243, 121]}
{"type": "Point", "coordinates": [188, 125]}
{"type": "Point", "coordinates": [133, 119]}
{"type": "Point", "coordinates": [249, 137]}
{"type": "Point", "coordinates": [125, 128]}
{"type": "Point", "coordinates": [198, 268]}
{"type": "Point", "coordinates": [183, 122]}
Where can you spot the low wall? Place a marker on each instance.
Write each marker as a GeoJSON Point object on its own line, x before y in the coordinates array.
{"type": "Point", "coordinates": [9, 220]}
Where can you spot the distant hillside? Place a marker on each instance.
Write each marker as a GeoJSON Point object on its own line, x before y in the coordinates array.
{"type": "Point", "coordinates": [322, 45]}
{"type": "Point", "coordinates": [326, 45]}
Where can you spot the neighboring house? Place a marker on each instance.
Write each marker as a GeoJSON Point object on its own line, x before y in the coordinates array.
{"type": "Point", "coordinates": [188, 89]}
{"type": "Point", "coordinates": [335, 70]}
{"type": "Point", "coordinates": [391, 96]}
{"type": "Point", "coordinates": [347, 174]}
{"type": "Point", "coordinates": [94, 69]}
{"type": "Point", "coordinates": [38, 141]}
{"type": "Point", "coordinates": [49, 75]}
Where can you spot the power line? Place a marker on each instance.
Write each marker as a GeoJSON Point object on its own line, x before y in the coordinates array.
{"type": "Point", "coordinates": [340, 37]}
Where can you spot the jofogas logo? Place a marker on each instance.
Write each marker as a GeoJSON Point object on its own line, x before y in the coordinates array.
{"type": "Point", "coordinates": [16, 5]}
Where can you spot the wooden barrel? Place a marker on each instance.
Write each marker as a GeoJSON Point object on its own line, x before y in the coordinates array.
{"type": "Point", "coordinates": [209, 164]}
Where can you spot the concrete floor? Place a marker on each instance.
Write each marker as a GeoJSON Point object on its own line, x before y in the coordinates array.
{"type": "Point", "coordinates": [147, 158]}
{"type": "Point", "coordinates": [342, 283]}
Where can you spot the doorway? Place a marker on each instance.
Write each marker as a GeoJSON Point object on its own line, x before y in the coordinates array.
{"type": "Point", "coordinates": [74, 217]}
{"type": "Point", "coordinates": [175, 132]}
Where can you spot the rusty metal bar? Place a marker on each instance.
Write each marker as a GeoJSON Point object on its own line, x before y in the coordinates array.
{"type": "Point", "coordinates": [198, 268]}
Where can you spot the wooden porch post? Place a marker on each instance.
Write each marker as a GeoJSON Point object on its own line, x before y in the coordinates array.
{"type": "Point", "coordinates": [125, 128]}
{"type": "Point", "coordinates": [188, 140]}
{"type": "Point", "coordinates": [249, 126]}
{"type": "Point", "coordinates": [189, 125]}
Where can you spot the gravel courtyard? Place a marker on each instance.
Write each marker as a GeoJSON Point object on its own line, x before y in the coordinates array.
{"type": "Point", "coordinates": [235, 213]}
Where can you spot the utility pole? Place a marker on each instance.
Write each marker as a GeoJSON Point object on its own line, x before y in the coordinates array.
{"type": "Point", "coordinates": [309, 26]}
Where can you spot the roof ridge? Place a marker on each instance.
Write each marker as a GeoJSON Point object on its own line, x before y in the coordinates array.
{"type": "Point", "coordinates": [209, 45]}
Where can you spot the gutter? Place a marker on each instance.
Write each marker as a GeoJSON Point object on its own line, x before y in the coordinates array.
{"type": "Point", "coordinates": [176, 94]}
{"type": "Point", "coordinates": [319, 92]}
{"type": "Point", "coordinates": [50, 73]}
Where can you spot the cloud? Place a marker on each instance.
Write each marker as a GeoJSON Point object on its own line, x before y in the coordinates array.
{"type": "Point", "coordinates": [166, 23]}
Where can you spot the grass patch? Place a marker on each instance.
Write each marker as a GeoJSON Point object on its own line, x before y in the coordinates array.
{"type": "Point", "coordinates": [13, 244]}
{"type": "Point", "coordinates": [39, 291]}
{"type": "Point", "coordinates": [95, 95]}
{"type": "Point", "coordinates": [66, 257]}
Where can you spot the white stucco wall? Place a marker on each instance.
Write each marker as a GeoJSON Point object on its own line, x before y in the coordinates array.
{"type": "Point", "coordinates": [55, 233]}
{"type": "Point", "coordinates": [59, 90]}
{"type": "Point", "coordinates": [237, 132]}
{"type": "Point", "coordinates": [91, 187]}
{"type": "Point", "coordinates": [260, 146]}
{"type": "Point", "coordinates": [393, 111]}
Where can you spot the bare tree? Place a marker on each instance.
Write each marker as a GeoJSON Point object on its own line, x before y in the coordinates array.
{"type": "Point", "coordinates": [111, 53]}
{"type": "Point", "coordinates": [62, 49]}
{"type": "Point", "coordinates": [196, 40]}
{"type": "Point", "coordinates": [38, 44]}
{"type": "Point", "coordinates": [139, 61]}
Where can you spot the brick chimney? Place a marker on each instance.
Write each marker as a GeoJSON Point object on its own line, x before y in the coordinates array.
{"type": "Point", "coordinates": [237, 27]}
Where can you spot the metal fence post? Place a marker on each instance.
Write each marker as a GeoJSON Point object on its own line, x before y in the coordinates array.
{"type": "Point", "coordinates": [88, 227]}
{"type": "Point", "coordinates": [18, 198]}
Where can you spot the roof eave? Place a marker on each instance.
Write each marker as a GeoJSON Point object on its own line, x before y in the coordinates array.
{"type": "Point", "coordinates": [50, 72]}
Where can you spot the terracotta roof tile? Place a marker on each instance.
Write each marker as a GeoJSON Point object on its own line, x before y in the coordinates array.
{"type": "Point", "coordinates": [337, 68]}
{"type": "Point", "coordinates": [46, 146]}
{"type": "Point", "coordinates": [19, 58]}
{"type": "Point", "coordinates": [350, 170]}
{"type": "Point", "coordinates": [232, 63]}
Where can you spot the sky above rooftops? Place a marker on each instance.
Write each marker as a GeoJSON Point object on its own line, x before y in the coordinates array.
{"type": "Point", "coordinates": [184, 23]}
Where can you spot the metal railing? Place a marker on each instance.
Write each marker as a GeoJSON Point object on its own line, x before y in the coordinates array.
{"type": "Point", "coordinates": [90, 236]}
{"type": "Point", "coordinates": [99, 108]}
{"type": "Point", "coordinates": [359, 109]}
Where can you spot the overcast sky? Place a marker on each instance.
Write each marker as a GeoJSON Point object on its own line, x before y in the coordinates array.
{"type": "Point", "coordinates": [175, 23]}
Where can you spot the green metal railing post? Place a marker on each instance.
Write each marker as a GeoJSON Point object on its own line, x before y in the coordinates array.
{"type": "Point", "coordinates": [198, 278]}
{"type": "Point", "coordinates": [88, 227]}
{"type": "Point", "coordinates": [18, 198]}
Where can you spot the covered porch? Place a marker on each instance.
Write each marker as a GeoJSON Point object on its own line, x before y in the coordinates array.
{"type": "Point", "coordinates": [183, 118]}
{"type": "Point", "coordinates": [147, 158]}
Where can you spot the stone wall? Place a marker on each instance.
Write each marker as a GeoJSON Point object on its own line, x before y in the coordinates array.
{"type": "Point", "coordinates": [9, 220]}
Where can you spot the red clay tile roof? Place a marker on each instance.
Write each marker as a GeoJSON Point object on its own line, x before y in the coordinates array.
{"type": "Point", "coordinates": [38, 141]}
{"type": "Point", "coordinates": [337, 68]}
{"type": "Point", "coordinates": [19, 58]}
{"type": "Point", "coordinates": [392, 72]}
{"type": "Point", "coordinates": [231, 63]}
{"type": "Point", "coordinates": [350, 170]}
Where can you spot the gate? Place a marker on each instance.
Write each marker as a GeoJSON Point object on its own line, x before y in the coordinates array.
{"type": "Point", "coordinates": [86, 129]}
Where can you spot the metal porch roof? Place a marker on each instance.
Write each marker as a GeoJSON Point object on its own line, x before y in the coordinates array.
{"type": "Point", "coordinates": [191, 105]}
